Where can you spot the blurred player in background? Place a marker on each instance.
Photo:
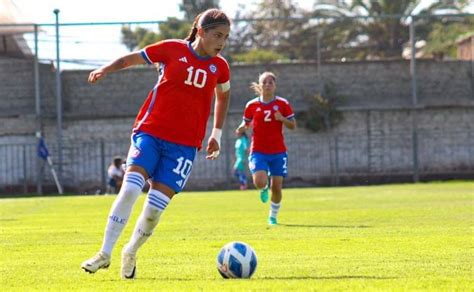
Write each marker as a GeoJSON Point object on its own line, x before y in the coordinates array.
{"type": "Point", "coordinates": [169, 128]}
{"type": "Point", "coordinates": [115, 174]}
{"type": "Point", "coordinates": [267, 113]}
{"type": "Point", "coordinates": [241, 149]}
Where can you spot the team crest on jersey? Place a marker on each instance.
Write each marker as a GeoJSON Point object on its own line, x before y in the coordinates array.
{"type": "Point", "coordinates": [275, 107]}
{"type": "Point", "coordinates": [258, 109]}
{"type": "Point", "coordinates": [213, 68]}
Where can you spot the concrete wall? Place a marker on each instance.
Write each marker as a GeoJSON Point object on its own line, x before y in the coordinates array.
{"type": "Point", "coordinates": [375, 135]}
{"type": "Point", "coordinates": [362, 84]}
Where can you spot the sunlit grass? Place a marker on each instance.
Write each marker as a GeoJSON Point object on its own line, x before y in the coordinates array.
{"type": "Point", "coordinates": [391, 237]}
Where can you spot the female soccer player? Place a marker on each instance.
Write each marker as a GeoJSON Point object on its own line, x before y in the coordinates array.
{"type": "Point", "coordinates": [169, 128]}
{"type": "Point", "coordinates": [241, 146]}
{"type": "Point", "coordinates": [267, 113]}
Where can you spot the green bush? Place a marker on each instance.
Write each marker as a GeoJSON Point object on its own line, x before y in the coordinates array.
{"type": "Point", "coordinates": [257, 56]}
{"type": "Point", "coordinates": [321, 114]}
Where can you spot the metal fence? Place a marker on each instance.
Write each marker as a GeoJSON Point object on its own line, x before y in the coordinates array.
{"type": "Point", "coordinates": [314, 159]}
{"type": "Point", "coordinates": [322, 158]}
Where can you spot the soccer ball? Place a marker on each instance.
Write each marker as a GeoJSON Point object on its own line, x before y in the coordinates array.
{"type": "Point", "coordinates": [236, 260]}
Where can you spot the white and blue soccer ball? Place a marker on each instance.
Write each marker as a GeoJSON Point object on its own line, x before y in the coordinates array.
{"type": "Point", "coordinates": [236, 260]}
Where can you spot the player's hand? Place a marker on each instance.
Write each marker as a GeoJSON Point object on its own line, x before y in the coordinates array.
{"type": "Point", "coordinates": [212, 149]}
{"type": "Point", "coordinates": [240, 130]}
{"type": "Point", "coordinates": [96, 75]}
{"type": "Point", "coordinates": [278, 116]}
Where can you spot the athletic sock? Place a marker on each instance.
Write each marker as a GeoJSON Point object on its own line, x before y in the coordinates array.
{"type": "Point", "coordinates": [131, 189]}
{"type": "Point", "coordinates": [274, 209]}
{"type": "Point", "coordinates": [149, 218]}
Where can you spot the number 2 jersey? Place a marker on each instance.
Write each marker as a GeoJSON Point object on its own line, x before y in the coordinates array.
{"type": "Point", "coordinates": [177, 108]}
{"type": "Point", "coordinates": [267, 137]}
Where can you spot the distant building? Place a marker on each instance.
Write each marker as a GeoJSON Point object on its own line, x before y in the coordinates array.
{"type": "Point", "coordinates": [12, 42]}
{"type": "Point", "coordinates": [466, 47]}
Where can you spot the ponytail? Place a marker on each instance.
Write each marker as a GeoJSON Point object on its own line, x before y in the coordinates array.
{"type": "Point", "coordinates": [192, 34]}
{"type": "Point", "coordinates": [257, 88]}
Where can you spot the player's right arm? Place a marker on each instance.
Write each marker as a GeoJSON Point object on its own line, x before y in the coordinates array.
{"type": "Point", "coordinates": [134, 58]}
{"type": "Point", "coordinates": [247, 118]}
{"type": "Point", "coordinates": [242, 127]}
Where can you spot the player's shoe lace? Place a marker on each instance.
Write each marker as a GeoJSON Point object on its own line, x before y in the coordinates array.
{"type": "Point", "coordinates": [272, 221]}
{"type": "Point", "coordinates": [264, 195]}
{"type": "Point", "coordinates": [129, 266]}
{"type": "Point", "coordinates": [100, 261]}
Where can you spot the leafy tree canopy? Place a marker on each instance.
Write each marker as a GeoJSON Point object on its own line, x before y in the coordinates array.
{"type": "Point", "coordinates": [191, 8]}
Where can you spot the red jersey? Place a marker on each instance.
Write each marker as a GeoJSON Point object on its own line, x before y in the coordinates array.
{"type": "Point", "coordinates": [178, 107]}
{"type": "Point", "coordinates": [267, 137]}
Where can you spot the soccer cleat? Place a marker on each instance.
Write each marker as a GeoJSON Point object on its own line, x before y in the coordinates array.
{"type": "Point", "coordinates": [129, 266]}
{"type": "Point", "coordinates": [100, 261]}
{"type": "Point", "coordinates": [264, 195]}
{"type": "Point", "coordinates": [272, 221]}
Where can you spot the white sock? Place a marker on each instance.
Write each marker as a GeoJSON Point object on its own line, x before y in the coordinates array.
{"type": "Point", "coordinates": [274, 209]}
{"type": "Point", "coordinates": [133, 183]}
{"type": "Point", "coordinates": [149, 218]}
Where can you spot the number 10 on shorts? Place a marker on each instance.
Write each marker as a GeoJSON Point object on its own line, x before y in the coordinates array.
{"type": "Point", "coordinates": [184, 167]}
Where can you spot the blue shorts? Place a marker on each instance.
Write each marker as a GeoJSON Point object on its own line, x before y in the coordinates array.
{"type": "Point", "coordinates": [274, 164]}
{"type": "Point", "coordinates": [164, 162]}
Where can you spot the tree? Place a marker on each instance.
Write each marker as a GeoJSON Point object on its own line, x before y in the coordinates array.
{"type": "Point", "coordinates": [173, 28]}
{"type": "Point", "coordinates": [267, 34]}
{"type": "Point", "coordinates": [191, 8]}
{"type": "Point", "coordinates": [386, 36]}
{"type": "Point", "coordinates": [257, 56]}
{"type": "Point", "coordinates": [141, 37]}
{"type": "Point", "coordinates": [376, 36]}
{"type": "Point", "coordinates": [442, 32]}
{"type": "Point", "coordinates": [131, 38]}
{"type": "Point", "coordinates": [441, 41]}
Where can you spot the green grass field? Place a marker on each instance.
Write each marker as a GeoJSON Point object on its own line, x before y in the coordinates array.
{"type": "Point", "coordinates": [392, 237]}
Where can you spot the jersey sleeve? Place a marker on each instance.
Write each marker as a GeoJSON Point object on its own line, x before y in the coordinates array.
{"type": "Point", "coordinates": [248, 114]}
{"type": "Point", "coordinates": [157, 52]}
{"type": "Point", "coordinates": [287, 111]}
{"type": "Point", "coordinates": [223, 82]}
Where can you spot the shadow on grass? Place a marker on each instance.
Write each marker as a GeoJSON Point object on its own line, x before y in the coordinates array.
{"type": "Point", "coordinates": [34, 195]}
{"type": "Point", "coordinates": [323, 226]}
{"type": "Point", "coordinates": [296, 278]}
{"type": "Point", "coordinates": [341, 277]}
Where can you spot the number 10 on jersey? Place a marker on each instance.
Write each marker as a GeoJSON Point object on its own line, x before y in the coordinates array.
{"type": "Point", "coordinates": [196, 78]}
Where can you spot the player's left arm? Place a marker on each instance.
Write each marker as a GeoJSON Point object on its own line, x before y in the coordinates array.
{"type": "Point", "coordinates": [220, 112]}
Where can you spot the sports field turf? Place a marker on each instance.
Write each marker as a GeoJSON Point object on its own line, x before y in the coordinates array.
{"type": "Point", "coordinates": [391, 237]}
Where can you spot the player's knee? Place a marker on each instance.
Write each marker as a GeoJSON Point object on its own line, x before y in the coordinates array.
{"type": "Point", "coordinates": [260, 183]}
{"type": "Point", "coordinates": [128, 196]}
